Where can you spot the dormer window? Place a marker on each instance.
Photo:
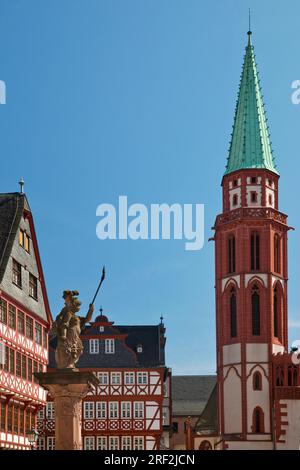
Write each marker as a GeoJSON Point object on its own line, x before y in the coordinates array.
{"type": "Point", "coordinates": [139, 348]}
{"type": "Point", "coordinates": [109, 346]}
{"type": "Point", "coordinates": [101, 329]}
{"type": "Point", "coordinates": [94, 346]}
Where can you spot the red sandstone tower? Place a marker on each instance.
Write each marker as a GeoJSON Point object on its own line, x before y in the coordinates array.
{"type": "Point", "coordinates": [251, 274]}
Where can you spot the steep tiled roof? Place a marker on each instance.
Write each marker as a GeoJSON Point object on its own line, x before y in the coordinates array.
{"type": "Point", "coordinates": [250, 145]}
{"type": "Point", "coordinates": [190, 393]}
{"type": "Point", "coordinates": [11, 210]}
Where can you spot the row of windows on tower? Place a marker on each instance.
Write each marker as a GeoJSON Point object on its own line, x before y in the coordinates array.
{"type": "Point", "coordinates": [255, 261]}
{"type": "Point", "coordinates": [255, 312]}
{"type": "Point", "coordinates": [253, 180]}
{"type": "Point", "coordinates": [253, 198]}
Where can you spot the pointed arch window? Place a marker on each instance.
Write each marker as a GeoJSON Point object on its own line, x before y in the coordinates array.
{"type": "Point", "coordinates": [292, 376]}
{"type": "Point", "coordinates": [205, 445]}
{"type": "Point", "coordinates": [231, 254]}
{"type": "Point", "coordinates": [255, 305]}
{"type": "Point", "coordinates": [277, 254]}
{"type": "Point", "coordinates": [233, 314]}
{"type": "Point", "coordinates": [258, 421]}
{"type": "Point", "coordinates": [257, 381]}
{"type": "Point", "coordinates": [255, 251]}
{"type": "Point", "coordinates": [275, 312]}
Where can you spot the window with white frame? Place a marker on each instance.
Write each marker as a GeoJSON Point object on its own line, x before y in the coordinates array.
{"type": "Point", "coordinates": [115, 378]}
{"type": "Point", "coordinates": [50, 443]}
{"type": "Point", "coordinates": [101, 410]}
{"type": "Point", "coordinates": [109, 346]}
{"type": "Point", "coordinates": [129, 378]}
{"type": "Point", "coordinates": [138, 409]}
{"type": "Point", "coordinates": [103, 378]}
{"type": "Point", "coordinates": [113, 443]}
{"type": "Point", "coordinates": [138, 443]}
{"type": "Point", "coordinates": [94, 346]}
{"type": "Point", "coordinates": [113, 410]}
{"type": "Point", "coordinates": [40, 443]}
{"type": "Point", "coordinates": [50, 413]}
{"type": "Point", "coordinates": [126, 409]}
{"type": "Point", "coordinates": [126, 442]}
{"type": "Point", "coordinates": [41, 413]}
{"type": "Point", "coordinates": [88, 409]}
{"type": "Point", "coordinates": [89, 443]}
{"type": "Point", "coordinates": [142, 378]}
{"type": "Point", "coordinates": [101, 443]}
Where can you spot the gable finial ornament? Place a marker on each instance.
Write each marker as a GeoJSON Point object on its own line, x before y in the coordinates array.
{"type": "Point", "coordinates": [21, 183]}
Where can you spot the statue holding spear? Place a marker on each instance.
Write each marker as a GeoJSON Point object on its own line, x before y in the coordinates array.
{"type": "Point", "coordinates": [68, 326]}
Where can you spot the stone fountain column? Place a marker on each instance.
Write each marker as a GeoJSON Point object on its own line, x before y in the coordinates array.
{"type": "Point", "coordinates": [68, 387]}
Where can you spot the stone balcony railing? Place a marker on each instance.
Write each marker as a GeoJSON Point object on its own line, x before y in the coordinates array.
{"type": "Point", "coordinates": [251, 213]}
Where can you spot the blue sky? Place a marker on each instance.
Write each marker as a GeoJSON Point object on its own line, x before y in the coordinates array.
{"type": "Point", "coordinates": [136, 97]}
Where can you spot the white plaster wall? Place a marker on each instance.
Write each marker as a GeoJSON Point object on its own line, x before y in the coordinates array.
{"type": "Point", "coordinates": [277, 348]}
{"type": "Point", "coordinates": [232, 353]}
{"type": "Point", "coordinates": [258, 397]}
{"type": "Point", "coordinates": [292, 437]}
{"type": "Point", "coordinates": [232, 402]}
{"type": "Point", "coordinates": [259, 437]}
{"type": "Point", "coordinates": [246, 445]}
{"type": "Point", "coordinates": [249, 277]}
{"type": "Point", "coordinates": [226, 279]}
{"type": "Point", "coordinates": [275, 279]}
{"type": "Point", "coordinates": [257, 189]}
{"type": "Point", "coordinates": [257, 352]}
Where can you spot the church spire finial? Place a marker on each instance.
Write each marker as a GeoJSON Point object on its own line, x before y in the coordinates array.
{"type": "Point", "coordinates": [249, 30]}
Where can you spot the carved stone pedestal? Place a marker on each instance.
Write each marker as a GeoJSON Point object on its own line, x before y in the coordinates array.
{"type": "Point", "coordinates": [67, 388]}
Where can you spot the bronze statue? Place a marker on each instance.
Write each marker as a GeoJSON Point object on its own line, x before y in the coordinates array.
{"type": "Point", "coordinates": [67, 328]}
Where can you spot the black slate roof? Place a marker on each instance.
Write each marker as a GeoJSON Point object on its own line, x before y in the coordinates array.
{"type": "Point", "coordinates": [190, 393]}
{"type": "Point", "coordinates": [150, 337]}
{"type": "Point", "coordinates": [152, 341]}
{"type": "Point", "coordinates": [208, 420]}
{"type": "Point", "coordinates": [11, 210]}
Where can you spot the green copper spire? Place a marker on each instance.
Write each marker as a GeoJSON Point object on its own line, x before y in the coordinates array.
{"type": "Point", "coordinates": [250, 145]}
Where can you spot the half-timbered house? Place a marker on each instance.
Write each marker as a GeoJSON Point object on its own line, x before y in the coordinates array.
{"type": "Point", "coordinates": [24, 322]}
{"type": "Point", "coordinates": [130, 409]}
